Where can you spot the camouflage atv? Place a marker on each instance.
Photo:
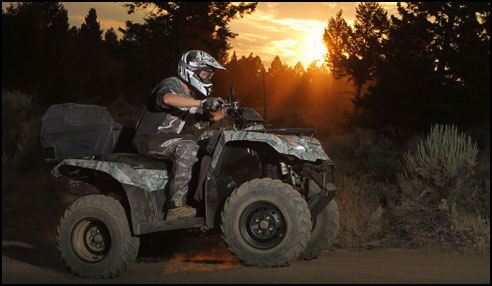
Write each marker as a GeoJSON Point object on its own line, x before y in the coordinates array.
{"type": "Point", "coordinates": [269, 190]}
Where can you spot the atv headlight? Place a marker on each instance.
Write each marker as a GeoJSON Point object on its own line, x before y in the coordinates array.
{"type": "Point", "coordinates": [297, 146]}
{"type": "Point", "coordinates": [300, 147]}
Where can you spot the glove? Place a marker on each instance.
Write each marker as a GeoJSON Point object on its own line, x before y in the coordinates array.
{"type": "Point", "coordinates": [212, 103]}
{"type": "Point", "coordinates": [228, 111]}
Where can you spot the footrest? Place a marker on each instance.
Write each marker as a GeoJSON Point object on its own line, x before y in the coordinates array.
{"type": "Point", "coordinates": [146, 227]}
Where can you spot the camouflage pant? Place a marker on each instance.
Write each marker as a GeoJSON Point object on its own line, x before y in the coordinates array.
{"type": "Point", "coordinates": [182, 150]}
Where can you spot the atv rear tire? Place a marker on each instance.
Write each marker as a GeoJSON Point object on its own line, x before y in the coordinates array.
{"type": "Point", "coordinates": [94, 238]}
{"type": "Point", "coordinates": [266, 223]}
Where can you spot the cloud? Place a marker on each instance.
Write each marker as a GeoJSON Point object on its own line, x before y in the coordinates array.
{"type": "Point", "coordinates": [282, 44]}
{"type": "Point", "coordinates": [331, 4]}
{"type": "Point", "coordinates": [288, 29]}
{"type": "Point", "coordinates": [301, 25]}
{"type": "Point", "coordinates": [272, 5]}
{"type": "Point", "coordinates": [251, 37]}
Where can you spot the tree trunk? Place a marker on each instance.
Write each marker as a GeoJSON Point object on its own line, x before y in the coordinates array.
{"type": "Point", "coordinates": [264, 100]}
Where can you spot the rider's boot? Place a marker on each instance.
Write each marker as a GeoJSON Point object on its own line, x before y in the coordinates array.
{"type": "Point", "coordinates": [177, 212]}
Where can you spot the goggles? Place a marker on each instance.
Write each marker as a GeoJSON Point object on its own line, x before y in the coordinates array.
{"type": "Point", "coordinates": [205, 74]}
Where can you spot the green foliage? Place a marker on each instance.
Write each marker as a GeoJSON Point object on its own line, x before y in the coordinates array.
{"type": "Point", "coordinates": [444, 157]}
{"type": "Point", "coordinates": [382, 163]}
{"type": "Point", "coordinates": [20, 131]}
{"type": "Point", "coordinates": [440, 177]}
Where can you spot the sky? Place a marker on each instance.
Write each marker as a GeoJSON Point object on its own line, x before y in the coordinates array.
{"type": "Point", "coordinates": [291, 30]}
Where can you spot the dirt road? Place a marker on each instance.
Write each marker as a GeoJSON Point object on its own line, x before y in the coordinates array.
{"type": "Point", "coordinates": [26, 263]}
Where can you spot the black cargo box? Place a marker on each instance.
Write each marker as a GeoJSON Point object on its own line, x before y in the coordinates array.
{"type": "Point", "coordinates": [78, 130]}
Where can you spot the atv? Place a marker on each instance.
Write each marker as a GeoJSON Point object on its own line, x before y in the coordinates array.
{"type": "Point", "coordinates": [270, 191]}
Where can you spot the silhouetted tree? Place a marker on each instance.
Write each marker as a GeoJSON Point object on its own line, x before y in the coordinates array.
{"type": "Point", "coordinates": [250, 80]}
{"type": "Point", "coordinates": [90, 61]}
{"type": "Point", "coordinates": [357, 52]}
{"type": "Point", "coordinates": [111, 42]}
{"type": "Point", "coordinates": [436, 63]}
{"type": "Point", "coordinates": [336, 40]}
{"type": "Point", "coordinates": [35, 47]}
{"type": "Point", "coordinates": [406, 84]}
{"type": "Point", "coordinates": [153, 49]}
{"type": "Point", "coordinates": [299, 69]}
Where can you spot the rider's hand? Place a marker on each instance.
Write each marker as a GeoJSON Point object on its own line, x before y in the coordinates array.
{"type": "Point", "coordinates": [212, 103]}
{"type": "Point", "coordinates": [231, 111]}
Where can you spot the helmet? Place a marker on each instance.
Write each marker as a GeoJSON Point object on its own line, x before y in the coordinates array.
{"type": "Point", "coordinates": [197, 68]}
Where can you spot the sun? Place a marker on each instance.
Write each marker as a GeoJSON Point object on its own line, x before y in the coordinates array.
{"type": "Point", "coordinates": [313, 50]}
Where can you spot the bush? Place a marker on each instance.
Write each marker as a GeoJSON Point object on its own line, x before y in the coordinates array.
{"type": "Point", "coordinates": [441, 168]}
{"type": "Point", "coordinates": [347, 149]}
{"type": "Point", "coordinates": [382, 163]}
{"type": "Point", "coordinates": [21, 125]}
{"type": "Point", "coordinates": [444, 202]}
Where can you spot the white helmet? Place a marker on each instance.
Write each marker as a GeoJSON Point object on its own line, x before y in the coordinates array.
{"type": "Point", "coordinates": [197, 68]}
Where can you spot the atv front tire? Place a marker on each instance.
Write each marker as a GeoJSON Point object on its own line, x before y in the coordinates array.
{"type": "Point", "coordinates": [266, 223]}
{"type": "Point", "coordinates": [323, 232]}
{"type": "Point", "coordinates": [94, 238]}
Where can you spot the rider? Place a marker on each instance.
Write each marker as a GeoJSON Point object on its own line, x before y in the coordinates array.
{"type": "Point", "coordinates": [170, 115]}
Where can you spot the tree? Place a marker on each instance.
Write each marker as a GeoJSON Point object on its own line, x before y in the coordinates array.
{"type": "Point", "coordinates": [299, 69]}
{"type": "Point", "coordinates": [358, 51]}
{"type": "Point", "coordinates": [336, 40]}
{"type": "Point", "coordinates": [90, 61]}
{"type": "Point", "coordinates": [406, 84]}
{"type": "Point", "coordinates": [90, 33]}
{"type": "Point", "coordinates": [436, 63]}
{"type": "Point", "coordinates": [35, 48]}
{"type": "Point", "coordinates": [153, 48]}
{"type": "Point", "coordinates": [111, 42]}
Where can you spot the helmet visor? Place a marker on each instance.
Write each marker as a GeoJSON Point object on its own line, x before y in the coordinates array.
{"type": "Point", "coordinates": [205, 74]}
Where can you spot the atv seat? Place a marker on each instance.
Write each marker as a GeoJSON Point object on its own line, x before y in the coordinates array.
{"type": "Point", "coordinates": [137, 161]}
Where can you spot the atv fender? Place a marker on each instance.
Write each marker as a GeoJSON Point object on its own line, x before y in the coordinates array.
{"type": "Point", "coordinates": [304, 148]}
{"type": "Point", "coordinates": [146, 179]}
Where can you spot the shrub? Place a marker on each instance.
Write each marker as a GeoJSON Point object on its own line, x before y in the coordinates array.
{"type": "Point", "coordinates": [444, 203]}
{"type": "Point", "coordinates": [382, 163]}
{"type": "Point", "coordinates": [21, 125]}
{"type": "Point", "coordinates": [441, 168]}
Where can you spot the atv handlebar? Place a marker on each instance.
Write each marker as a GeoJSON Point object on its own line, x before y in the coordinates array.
{"type": "Point", "coordinates": [235, 112]}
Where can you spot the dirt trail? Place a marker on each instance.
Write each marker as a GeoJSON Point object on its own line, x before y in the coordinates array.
{"type": "Point", "coordinates": [24, 263]}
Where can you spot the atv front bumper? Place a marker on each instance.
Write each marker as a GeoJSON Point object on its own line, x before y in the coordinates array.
{"type": "Point", "coordinates": [319, 201]}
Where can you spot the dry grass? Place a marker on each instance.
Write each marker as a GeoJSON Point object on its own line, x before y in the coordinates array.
{"type": "Point", "coordinates": [473, 232]}
{"type": "Point", "coordinates": [360, 215]}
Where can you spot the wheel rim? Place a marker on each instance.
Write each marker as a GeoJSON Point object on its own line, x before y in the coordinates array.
{"type": "Point", "coordinates": [91, 240]}
{"type": "Point", "coordinates": [263, 225]}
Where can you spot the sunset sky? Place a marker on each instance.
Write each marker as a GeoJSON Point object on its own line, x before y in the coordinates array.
{"type": "Point", "coordinates": [291, 30]}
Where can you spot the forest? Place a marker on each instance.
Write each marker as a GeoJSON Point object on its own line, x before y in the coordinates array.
{"type": "Point", "coordinates": [385, 83]}
{"type": "Point", "coordinates": [429, 64]}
